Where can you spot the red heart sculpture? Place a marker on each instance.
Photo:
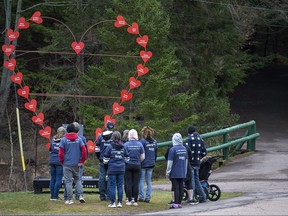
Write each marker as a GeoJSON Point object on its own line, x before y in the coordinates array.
{"type": "Point", "coordinates": [24, 92]}
{"type": "Point", "coordinates": [134, 29]}
{"type": "Point", "coordinates": [120, 22]}
{"type": "Point", "coordinates": [38, 119]}
{"type": "Point", "coordinates": [8, 50]}
{"type": "Point", "coordinates": [32, 105]}
{"type": "Point", "coordinates": [107, 119]}
{"type": "Point", "coordinates": [142, 41]}
{"type": "Point", "coordinates": [77, 47]}
{"type": "Point", "coordinates": [142, 70]}
{"type": "Point", "coordinates": [36, 17]}
{"type": "Point", "coordinates": [125, 95]}
{"type": "Point", "coordinates": [91, 146]}
{"type": "Point", "coordinates": [22, 24]}
{"type": "Point", "coordinates": [46, 132]}
{"type": "Point", "coordinates": [17, 78]}
{"type": "Point", "coordinates": [10, 64]}
{"type": "Point", "coordinates": [117, 108]}
{"type": "Point", "coordinates": [134, 83]}
{"type": "Point", "coordinates": [145, 55]}
{"type": "Point", "coordinates": [98, 131]}
{"type": "Point", "coordinates": [48, 146]}
{"type": "Point", "coordinates": [12, 35]}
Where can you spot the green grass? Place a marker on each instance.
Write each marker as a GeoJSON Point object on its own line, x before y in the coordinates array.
{"type": "Point", "coordinates": [30, 203]}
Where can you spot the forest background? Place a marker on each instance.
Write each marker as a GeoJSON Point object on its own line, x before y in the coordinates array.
{"type": "Point", "coordinates": [202, 50]}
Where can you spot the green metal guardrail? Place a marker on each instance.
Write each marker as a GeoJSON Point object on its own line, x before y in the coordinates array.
{"type": "Point", "coordinates": [249, 137]}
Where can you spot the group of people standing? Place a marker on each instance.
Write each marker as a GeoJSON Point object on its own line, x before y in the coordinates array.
{"type": "Point", "coordinates": [127, 161]}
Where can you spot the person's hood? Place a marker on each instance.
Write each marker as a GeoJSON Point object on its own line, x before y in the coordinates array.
{"type": "Point", "coordinates": [56, 140]}
{"type": "Point", "coordinates": [71, 136]}
{"type": "Point", "coordinates": [177, 139]}
{"type": "Point", "coordinates": [150, 139]}
{"type": "Point", "coordinates": [107, 135]}
{"type": "Point", "coordinates": [117, 145]}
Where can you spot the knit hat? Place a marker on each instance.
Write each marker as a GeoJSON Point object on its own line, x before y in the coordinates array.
{"type": "Point", "coordinates": [77, 126]}
{"type": "Point", "coordinates": [133, 135]}
{"type": "Point", "coordinates": [70, 128]}
{"type": "Point", "coordinates": [191, 129]}
{"type": "Point", "coordinates": [110, 125]}
{"type": "Point", "coordinates": [177, 139]}
{"type": "Point", "coordinates": [116, 136]}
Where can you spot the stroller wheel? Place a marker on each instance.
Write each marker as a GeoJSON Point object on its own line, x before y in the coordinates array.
{"type": "Point", "coordinates": [205, 190]}
{"type": "Point", "coordinates": [185, 194]}
{"type": "Point", "coordinates": [214, 192]}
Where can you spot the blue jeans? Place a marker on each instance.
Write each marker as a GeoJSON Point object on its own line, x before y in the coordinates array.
{"type": "Point", "coordinates": [56, 172]}
{"type": "Point", "coordinates": [146, 175]}
{"type": "Point", "coordinates": [103, 184]}
{"type": "Point", "coordinates": [71, 175]}
{"type": "Point", "coordinates": [116, 181]}
{"type": "Point", "coordinates": [196, 184]}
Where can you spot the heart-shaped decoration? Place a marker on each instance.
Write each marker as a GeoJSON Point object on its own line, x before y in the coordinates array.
{"type": "Point", "coordinates": [145, 55]}
{"type": "Point", "coordinates": [91, 146]}
{"type": "Point", "coordinates": [142, 70]}
{"type": "Point", "coordinates": [36, 17]}
{"type": "Point", "coordinates": [32, 105]}
{"type": "Point", "coordinates": [125, 95]}
{"type": "Point", "coordinates": [12, 35]}
{"type": "Point", "coordinates": [77, 47]}
{"type": "Point", "coordinates": [120, 22]}
{"type": "Point", "coordinates": [17, 78]}
{"type": "Point", "coordinates": [142, 41]}
{"type": "Point", "coordinates": [107, 119]}
{"type": "Point", "coordinates": [8, 49]}
{"type": "Point", "coordinates": [10, 64]}
{"type": "Point", "coordinates": [47, 146]}
{"type": "Point", "coordinates": [117, 108]}
{"type": "Point", "coordinates": [22, 24]}
{"type": "Point", "coordinates": [134, 83]}
{"type": "Point", "coordinates": [24, 92]}
{"type": "Point", "coordinates": [38, 119]}
{"type": "Point", "coordinates": [98, 131]}
{"type": "Point", "coordinates": [46, 132]}
{"type": "Point", "coordinates": [133, 29]}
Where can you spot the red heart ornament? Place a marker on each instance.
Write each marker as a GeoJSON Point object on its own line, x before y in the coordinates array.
{"type": "Point", "coordinates": [38, 119]}
{"type": "Point", "coordinates": [12, 35]}
{"type": "Point", "coordinates": [24, 92]}
{"type": "Point", "coordinates": [10, 64]}
{"type": "Point", "coordinates": [32, 105]}
{"type": "Point", "coordinates": [117, 108]}
{"type": "Point", "coordinates": [91, 146]}
{"type": "Point", "coordinates": [98, 131]}
{"type": "Point", "coordinates": [145, 55]}
{"type": "Point", "coordinates": [8, 49]}
{"type": "Point", "coordinates": [134, 83]}
{"type": "Point", "coordinates": [120, 22]}
{"type": "Point", "coordinates": [46, 132]}
{"type": "Point", "coordinates": [133, 29]}
{"type": "Point", "coordinates": [77, 47]}
{"type": "Point", "coordinates": [142, 41]}
{"type": "Point", "coordinates": [47, 146]}
{"type": "Point", "coordinates": [125, 95]}
{"type": "Point", "coordinates": [17, 78]}
{"type": "Point", "coordinates": [36, 17]}
{"type": "Point", "coordinates": [107, 119]}
{"type": "Point", "coordinates": [22, 24]}
{"type": "Point", "coordinates": [142, 70]}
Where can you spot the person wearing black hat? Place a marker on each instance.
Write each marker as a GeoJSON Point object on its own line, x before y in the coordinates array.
{"type": "Point", "coordinates": [198, 149]}
{"type": "Point", "coordinates": [104, 140]}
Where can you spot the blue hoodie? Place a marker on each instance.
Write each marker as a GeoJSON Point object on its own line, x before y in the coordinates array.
{"type": "Point", "coordinates": [54, 151]}
{"type": "Point", "coordinates": [150, 148]}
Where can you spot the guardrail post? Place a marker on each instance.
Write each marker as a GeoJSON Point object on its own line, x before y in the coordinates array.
{"type": "Point", "coordinates": [225, 150]}
{"type": "Point", "coordinates": [251, 143]}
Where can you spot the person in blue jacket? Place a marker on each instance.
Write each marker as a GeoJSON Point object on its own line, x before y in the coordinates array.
{"type": "Point", "coordinates": [150, 148]}
{"type": "Point", "coordinates": [114, 157]}
{"type": "Point", "coordinates": [136, 154]}
{"type": "Point", "coordinates": [104, 140]}
{"type": "Point", "coordinates": [177, 168]}
{"type": "Point", "coordinates": [56, 168]}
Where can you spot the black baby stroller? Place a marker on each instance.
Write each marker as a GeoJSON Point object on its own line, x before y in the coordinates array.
{"type": "Point", "coordinates": [212, 191]}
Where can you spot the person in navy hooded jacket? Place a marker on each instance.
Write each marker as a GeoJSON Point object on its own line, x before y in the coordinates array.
{"type": "Point", "coordinates": [56, 168]}
{"type": "Point", "coordinates": [72, 155]}
{"type": "Point", "coordinates": [150, 147]}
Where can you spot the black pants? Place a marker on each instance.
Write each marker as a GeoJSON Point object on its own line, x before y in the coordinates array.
{"type": "Point", "coordinates": [178, 187]}
{"type": "Point", "coordinates": [132, 179]}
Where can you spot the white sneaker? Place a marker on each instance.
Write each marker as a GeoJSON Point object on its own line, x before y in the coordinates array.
{"type": "Point", "coordinates": [119, 205]}
{"type": "Point", "coordinates": [69, 202]}
{"type": "Point", "coordinates": [132, 200]}
{"type": "Point", "coordinates": [135, 204]}
{"type": "Point", "coordinates": [81, 199]}
{"type": "Point", "coordinates": [129, 203]}
{"type": "Point", "coordinates": [112, 205]}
